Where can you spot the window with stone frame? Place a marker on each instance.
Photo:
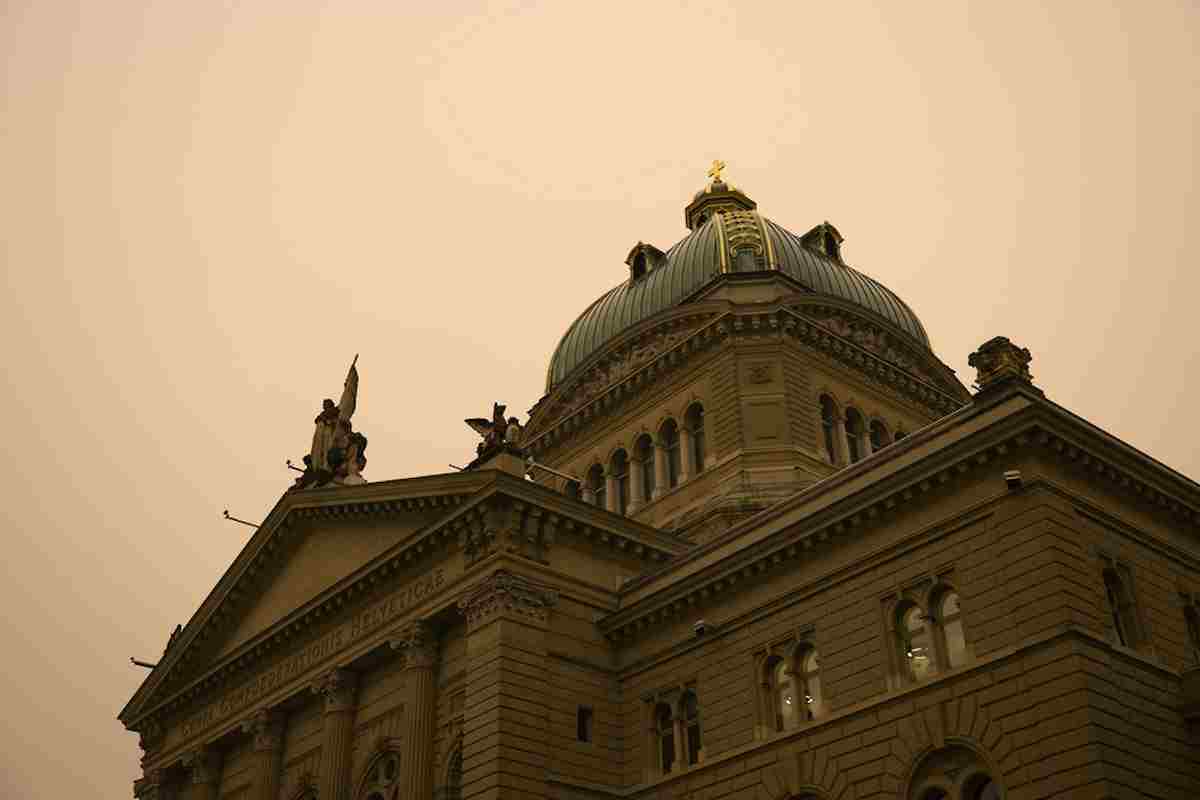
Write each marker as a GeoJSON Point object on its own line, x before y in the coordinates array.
{"type": "Point", "coordinates": [879, 436]}
{"type": "Point", "coordinates": [1124, 624]}
{"type": "Point", "coordinates": [915, 641]}
{"type": "Point", "coordinates": [643, 453]}
{"type": "Point", "coordinates": [675, 728]}
{"type": "Point", "coordinates": [664, 727]}
{"type": "Point", "coordinates": [694, 420]}
{"type": "Point", "coordinates": [954, 772]}
{"type": "Point", "coordinates": [854, 435]}
{"type": "Point", "coordinates": [829, 427]}
{"type": "Point", "coordinates": [791, 685]}
{"type": "Point", "coordinates": [1191, 622]}
{"type": "Point", "coordinates": [669, 437]}
{"type": "Point", "coordinates": [619, 467]}
{"type": "Point", "coordinates": [596, 487]}
{"type": "Point", "coordinates": [689, 708]}
{"type": "Point", "coordinates": [381, 778]}
{"type": "Point", "coordinates": [929, 635]}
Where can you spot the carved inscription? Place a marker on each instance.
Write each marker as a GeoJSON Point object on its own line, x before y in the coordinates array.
{"type": "Point", "coordinates": [363, 623]}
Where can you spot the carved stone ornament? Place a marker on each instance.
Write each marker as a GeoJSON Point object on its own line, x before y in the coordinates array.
{"type": "Point", "coordinates": [151, 736]}
{"type": "Point", "coordinates": [338, 687]}
{"type": "Point", "coordinates": [504, 593]}
{"type": "Point", "coordinates": [204, 763]}
{"type": "Point", "coordinates": [999, 360]}
{"type": "Point", "coordinates": [418, 644]}
{"type": "Point", "coordinates": [267, 728]}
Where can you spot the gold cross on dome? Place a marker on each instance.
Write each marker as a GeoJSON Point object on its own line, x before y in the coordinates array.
{"type": "Point", "coordinates": [715, 171]}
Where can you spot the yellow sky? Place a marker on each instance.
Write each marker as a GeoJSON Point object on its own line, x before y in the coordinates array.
{"type": "Point", "coordinates": [208, 208]}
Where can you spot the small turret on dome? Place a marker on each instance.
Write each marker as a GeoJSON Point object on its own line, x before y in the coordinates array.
{"type": "Point", "coordinates": [718, 196]}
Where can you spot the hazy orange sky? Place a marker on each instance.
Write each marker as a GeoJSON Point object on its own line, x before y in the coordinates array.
{"type": "Point", "coordinates": [209, 207]}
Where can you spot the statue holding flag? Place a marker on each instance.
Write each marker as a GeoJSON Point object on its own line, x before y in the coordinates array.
{"type": "Point", "coordinates": [337, 454]}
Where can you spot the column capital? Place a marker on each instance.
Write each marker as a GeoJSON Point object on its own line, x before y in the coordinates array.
{"type": "Point", "coordinates": [338, 687]}
{"type": "Point", "coordinates": [266, 726]}
{"type": "Point", "coordinates": [417, 642]}
{"type": "Point", "coordinates": [205, 764]}
{"type": "Point", "coordinates": [153, 785]}
{"type": "Point", "coordinates": [503, 593]}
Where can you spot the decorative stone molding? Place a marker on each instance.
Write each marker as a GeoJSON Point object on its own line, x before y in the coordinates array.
{"type": "Point", "coordinates": [999, 361]}
{"type": "Point", "coordinates": [337, 687]}
{"type": "Point", "coordinates": [153, 785]}
{"type": "Point", "coordinates": [151, 736]}
{"type": "Point", "coordinates": [205, 764]}
{"type": "Point", "coordinates": [418, 644]}
{"type": "Point", "coordinates": [266, 726]}
{"type": "Point", "coordinates": [503, 593]}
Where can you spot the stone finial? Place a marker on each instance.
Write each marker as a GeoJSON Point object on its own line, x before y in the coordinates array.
{"type": "Point", "coordinates": [999, 361]}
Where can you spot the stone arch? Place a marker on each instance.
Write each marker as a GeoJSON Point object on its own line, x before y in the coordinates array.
{"type": "Point", "coordinates": [798, 772]}
{"type": "Point", "coordinates": [380, 776]}
{"type": "Point", "coordinates": [961, 723]}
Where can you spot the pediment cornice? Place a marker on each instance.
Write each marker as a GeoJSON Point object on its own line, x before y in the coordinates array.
{"type": "Point", "coordinates": [869, 493]}
{"type": "Point", "coordinates": [486, 511]}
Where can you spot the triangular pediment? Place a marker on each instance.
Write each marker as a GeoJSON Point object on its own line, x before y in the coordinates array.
{"type": "Point", "coordinates": [311, 542]}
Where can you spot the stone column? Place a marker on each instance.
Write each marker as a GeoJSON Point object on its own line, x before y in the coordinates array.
{"type": "Point", "coordinates": [418, 646]}
{"type": "Point", "coordinates": [685, 454]}
{"type": "Point", "coordinates": [337, 687]}
{"type": "Point", "coordinates": [205, 764]}
{"type": "Point", "coordinates": [636, 480]}
{"type": "Point", "coordinates": [507, 711]}
{"type": "Point", "coordinates": [610, 494]}
{"type": "Point", "coordinates": [842, 456]}
{"type": "Point", "coordinates": [267, 729]}
{"type": "Point", "coordinates": [660, 471]}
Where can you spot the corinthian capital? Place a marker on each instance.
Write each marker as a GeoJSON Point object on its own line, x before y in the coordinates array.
{"type": "Point", "coordinates": [504, 594]}
{"type": "Point", "coordinates": [337, 687]}
{"type": "Point", "coordinates": [418, 644]}
{"type": "Point", "coordinates": [267, 728]}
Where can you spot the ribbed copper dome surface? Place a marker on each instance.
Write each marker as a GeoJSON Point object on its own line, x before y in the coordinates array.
{"type": "Point", "coordinates": [698, 259]}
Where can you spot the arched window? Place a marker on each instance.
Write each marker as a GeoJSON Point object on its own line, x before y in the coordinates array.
{"type": "Point", "coordinates": [454, 775]}
{"type": "Point", "coordinates": [381, 776]}
{"type": "Point", "coordinates": [595, 482]}
{"type": "Point", "coordinates": [1192, 619]}
{"type": "Point", "coordinates": [916, 643]}
{"type": "Point", "coordinates": [828, 426]}
{"type": "Point", "coordinates": [953, 772]}
{"type": "Point", "coordinates": [620, 473]}
{"type": "Point", "coordinates": [664, 725]}
{"type": "Point", "coordinates": [783, 694]}
{"type": "Point", "coordinates": [879, 437]}
{"type": "Point", "coordinates": [1120, 606]}
{"type": "Point", "coordinates": [854, 433]}
{"type": "Point", "coordinates": [643, 451]}
{"type": "Point", "coordinates": [954, 643]}
{"type": "Point", "coordinates": [810, 684]}
{"type": "Point", "coordinates": [691, 725]}
{"type": "Point", "coordinates": [694, 420]}
{"type": "Point", "coordinates": [669, 435]}
{"type": "Point", "coordinates": [571, 489]}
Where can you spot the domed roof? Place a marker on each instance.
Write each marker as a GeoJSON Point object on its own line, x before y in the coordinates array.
{"type": "Point", "coordinates": [727, 236]}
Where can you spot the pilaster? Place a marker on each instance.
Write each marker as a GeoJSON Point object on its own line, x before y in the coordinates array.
{"type": "Point", "coordinates": [339, 689]}
{"type": "Point", "coordinates": [267, 729]}
{"type": "Point", "coordinates": [505, 719]}
{"type": "Point", "coordinates": [418, 646]}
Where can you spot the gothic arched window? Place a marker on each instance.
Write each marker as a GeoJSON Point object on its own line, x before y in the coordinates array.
{"type": "Point", "coordinates": [854, 433]}
{"type": "Point", "coordinates": [694, 420]}
{"type": "Point", "coordinates": [620, 473]}
{"type": "Point", "coordinates": [381, 777]}
{"type": "Point", "coordinates": [595, 483]}
{"type": "Point", "coordinates": [643, 451]}
{"type": "Point", "coordinates": [829, 426]}
{"type": "Point", "coordinates": [669, 435]}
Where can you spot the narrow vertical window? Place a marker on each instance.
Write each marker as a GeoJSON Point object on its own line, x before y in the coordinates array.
{"type": "Point", "coordinates": [670, 443]}
{"type": "Point", "coordinates": [854, 432]}
{"type": "Point", "coordinates": [879, 437]}
{"type": "Point", "coordinates": [785, 700]}
{"type": "Point", "coordinates": [1192, 619]}
{"type": "Point", "coordinates": [695, 426]}
{"type": "Point", "coordinates": [950, 617]}
{"type": "Point", "coordinates": [596, 483]}
{"type": "Point", "coordinates": [620, 473]}
{"type": "Point", "coordinates": [810, 679]}
{"type": "Point", "coordinates": [664, 722]}
{"type": "Point", "coordinates": [828, 425]}
{"type": "Point", "coordinates": [1119, 607]}
{"type": "Point", "coordinates": [643, 451]}
{"type": "Point", "coordinates": [915, 644]}
{"type": "Point", "coordinates": [583, 724]}
{"type": "Point", "coordinates": [691, 723]}
{"type": "Point", "coordinates": [571, 489]}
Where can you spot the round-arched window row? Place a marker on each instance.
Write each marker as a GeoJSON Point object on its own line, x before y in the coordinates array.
{"type": "Point", "coordinates": [792, 686]}
{"type": "Point", "coordinates": [659, 463]}
{"type": "Point", "coordinates": [930, 641]}
{"type": "Point", "coordinates": [847, 438]}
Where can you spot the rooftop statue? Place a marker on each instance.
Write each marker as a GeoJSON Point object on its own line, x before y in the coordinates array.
{"type": "Point", "coordinates": [498, 433]}
{"type": "Point", "coordinates": [337, 452]}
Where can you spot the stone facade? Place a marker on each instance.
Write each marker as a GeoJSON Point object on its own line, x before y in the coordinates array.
{"type": "Point", "coordinates": [848, 578]}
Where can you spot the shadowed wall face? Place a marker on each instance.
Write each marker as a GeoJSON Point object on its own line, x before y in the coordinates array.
{"type": "Point", "coordinates": [209, 209]}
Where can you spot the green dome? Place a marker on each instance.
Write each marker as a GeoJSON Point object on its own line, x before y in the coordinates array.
{"type": "Point", "coordinates": [728, 240]}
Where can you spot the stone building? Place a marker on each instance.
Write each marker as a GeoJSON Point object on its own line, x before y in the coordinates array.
{"type": "Point", "coordinates": [770, 547]}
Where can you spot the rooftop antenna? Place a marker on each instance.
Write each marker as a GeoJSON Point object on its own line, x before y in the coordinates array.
{"type": "Point", "coordinates": [235, 519]}
{"type": "Point", "coordinates": [145, 664]}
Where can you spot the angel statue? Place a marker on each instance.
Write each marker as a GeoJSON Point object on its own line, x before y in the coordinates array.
{"type": "Point", "coordinates": [337, 450]}
{"type": "Point", "coordinates": [497, 432]}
